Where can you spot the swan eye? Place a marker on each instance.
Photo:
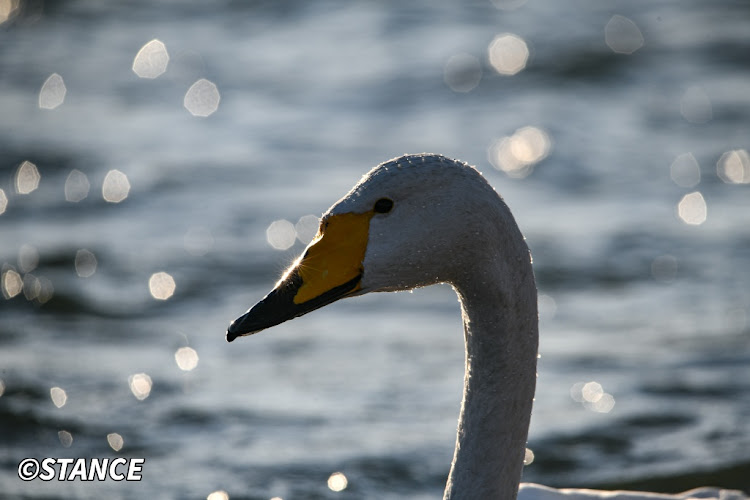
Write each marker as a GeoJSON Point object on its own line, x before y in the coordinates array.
{"type": "Point", "coordinates": [383, 206]}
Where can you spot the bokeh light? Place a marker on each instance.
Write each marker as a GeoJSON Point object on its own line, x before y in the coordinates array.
{"type": "Point", "coordinates": [76, 186]}
{"type": "Point", "coordinates": [337, 481]}
{"type": "Point", "coordinates": [66, 438]}
{"type": "Point", "coordinates": [218, 495]}
{"type": "Point", "coordinates": [39, 289]}
{"type": "Point", "coordinates": [85, 263]}
{"type": "Point", "coordinates": [198, 241]}
{"type": "Point", "coordinates": [281, 234]}
{"type": "Point", "coordinates": [517, 154]}
{"type": "Point", "coordinates": [161, 285]}
{"type": "Point", "coordinates": [306, 228]}
{"type": "Point", "coordinates": [592, 391]}
{"type": "Point", "coordinates": [46, 292]}
{"type": "Point", "coordinates": [8, 9]}
{"type": "Point", "coordinates": [115, 441]}
{"type": "Point", "coordinates": [592, 396]}
{"type": "Point", "coordinates": [152, 60]}
{"type": "Point", "coordinates": [547, 306]}
{"type": "Point", "coordinates": [733, 167]}
{"type": "Point", "coordinates": [3, 202]}
{"type": "Point", "coordinates": [116, 187]}
{"type": "Point", "coordinates": [59, 396]}
{"type": "Point", "coordinates": [32, 287]}
{"type": "Point", "coordinates": [140, 385]}
{"type": "Point", "coordinates": [202, 98]}
{"type": "Point", "coordinates": [27, 178]}
{"type": "Point", "coordinates": [462, 72]}
{"type": "Point", "coordinates": [12, 283]}
{"type": "Point", "coordinates": [52, 93]}
{"type": "Point", "coordinates": [604, 404]}
{"type": "Point", "coordinates": [28, 258]}
{"type": "Point", "coordinates": [685, 171]}
{"type": "Point", "coordinates": [528, 457]}
{"type": "Point", "coordinates": [35, 288]}
{"type": "Point", "coordinates": [622, 35]}
{"type": "Point", "coordinates": [692, 209]}
{"type": "Point", "coordinates": [508, 54]}
{"type": "Point", "coordinates": [695, 105]}
{"type": "Point", "coordinates": [186, 358]}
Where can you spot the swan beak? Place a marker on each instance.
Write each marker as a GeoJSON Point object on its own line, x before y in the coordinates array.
{"type": "Point", "coordinates": [330, 269]}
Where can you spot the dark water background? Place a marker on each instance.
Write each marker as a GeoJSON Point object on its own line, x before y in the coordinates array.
{"type": "Point", "coordinates": [655, 310]}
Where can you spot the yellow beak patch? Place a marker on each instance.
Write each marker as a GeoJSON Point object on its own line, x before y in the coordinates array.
{"type": "Point", "coordinates": [330, 269]}
{"type": "Point", "coordinates": [335, 256]}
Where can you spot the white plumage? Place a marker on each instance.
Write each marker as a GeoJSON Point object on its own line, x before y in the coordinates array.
{"type": "Point", "coordinates": [447, 224]}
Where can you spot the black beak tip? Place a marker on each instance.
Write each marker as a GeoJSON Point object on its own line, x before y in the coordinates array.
{"type": "Point", "coordinates": [278, 306]}
{"type": "Point", "coordinates": [234, 330]}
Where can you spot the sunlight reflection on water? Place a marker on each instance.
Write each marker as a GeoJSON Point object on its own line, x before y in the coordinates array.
{"type": "Point", "coordinates": [202, 98]}
{"type": "Point", "coordinates": [116, 187]}
{"type": "Point", "coordinates": [8, 9]}
{"type": "Point", "coordinates": [169, 217]}
{"type": "Point", "coordinates": [528, 457]}
{"type": "Point", "coordinates": [186, 358]}
{"type": "Point", "coordinates": [28, 258]}
{"type": "Point", "coordinates": [508, 54]}
{"type": "Point", "coordinates": [59, 396]}
{"type": "Point", "coordinates": [161, 285]}
{"type": "Point", "coordinates": [12, 283]}
{"type": "Point", "coordinates": [52, 93]}
{"type": "Point", "coordinates": [734, 167]}
{"type": "Point", "coordinates": [337, 481]}
{"type": "Point", "coordinates": [517, 154]}
{"type": "Point", "coordinates": [66, 438]}
{"type": "Point", "coordinates": [692, 209]}
{"type": "Point", "coordinates": [685, 171]}
{"type": "Point", "coordinates": [76, 186]}
{"type": "Point", "coordinates": [281, 234]}
{"type": "Point", "coordinates": [622, 35]}
{"type": "Point", "coordinates": [27, 178]}
{"type": "Point", "coordinates": [218, 495]}
{"type": "Point", "coordinates": [592, 396]}
{"type": "Point", "coordinates": [39, 289]}
{"type": "Point", "coordinates": [306, 228]}
{"type": "Point", "coordinates": [140, 385]}
{"type": "Point", "coordinates": [462, 72]}
{"type": "Point", "coordinates": [152, 60]}
{"type": "Point", "coordinates": [85, 263]}
{"type": "Point", "coordinates": [115, 441]}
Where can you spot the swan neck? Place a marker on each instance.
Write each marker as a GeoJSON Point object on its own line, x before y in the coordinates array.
{"type": "Point", "coordinates": [501, 333]}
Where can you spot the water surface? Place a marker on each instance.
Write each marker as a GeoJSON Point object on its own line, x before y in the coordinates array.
{"type": "Point", "coordinates": [645, 294]}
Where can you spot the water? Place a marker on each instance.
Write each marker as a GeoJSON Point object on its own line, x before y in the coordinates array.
{"type": "Point", "coordinates": [651, 308]}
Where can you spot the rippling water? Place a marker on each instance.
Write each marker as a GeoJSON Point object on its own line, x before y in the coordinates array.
{"type": "Point", "coordinates": [140, 214]}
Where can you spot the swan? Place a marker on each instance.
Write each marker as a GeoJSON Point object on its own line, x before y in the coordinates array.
{"type": "Point", "coordinates": [423, 219]}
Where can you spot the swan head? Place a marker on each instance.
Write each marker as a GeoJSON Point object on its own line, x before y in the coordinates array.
{"type": "Point", "coordinates": [410, 222]}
